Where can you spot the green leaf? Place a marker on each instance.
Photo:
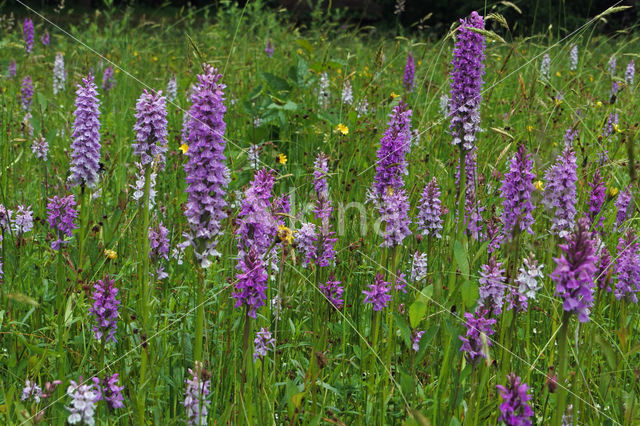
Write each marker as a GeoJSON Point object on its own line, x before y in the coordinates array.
{"type": "Point", "coordinates": [277, 83]}
{"type": "Point", "coordinates": [461, 258]}
{"type": "Point", "coordinates": [469, 292]}
{"type": "Point", "coordinates": [405, 332]}
{"type": "Point", "coordinates": [305, 44]}
{"type": "Point", "coordinates": [417, 310]}
{"type": "Point", "coordinates": [426, 294]}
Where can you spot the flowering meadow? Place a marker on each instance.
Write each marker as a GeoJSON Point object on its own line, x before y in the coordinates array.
{"type": "Point", "coordinates": [225, 218]}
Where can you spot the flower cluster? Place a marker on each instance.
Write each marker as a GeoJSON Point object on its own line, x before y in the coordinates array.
{"type": "Point", "coordinates": [573, 58]}
{"type": "Point", "coordinates": [529, 278]}
{"type": "Point", "coordinates": [159, 245]}
{"type": "Point", "coordinates": [596, 199]}
{"type": "Point", "coordinates": [108, 79]}
{"type": "Point", "coordinates": [207, 175]}
{"type": "Point", "coordinates": [560, 192]}
{"type": "Point", "coordinates": [347, 93]}
{"type": "Point", "coordinates": [630, 73]}
{"type": "Point", "coordinates": [623, 204]}
{"type": "Point", "coordinates": [409, 73]}
{"type": "Point", "coordinates": [429, 218]}
{"type": "Point", "coordinates": [466, 82]}
{"type": "Point", "coordinates": [333, 291]}
{"type": "Point", "coordinates": [61, 214]}
{"type": "Point", "coordinates": [11, 69]}
{"type": "Point", "coordinates": [517, 187]}
{"type": "Point", "coordinates": [23, 221]}
{"type": "Point", "coordinates": [394, 212]}
{"type": "Point", "coordinates": [575, 272]}
{"type": "Point", "coordinates": [85, 156]}
{"type": "Point", "coordinates": [378, 293]}
{"type": "Point", "coordinates": [172, 89]}
{"type": "Point", "coordinates": [195, 396]}
{"type": "Point", "coordinates": [515, 408]}
{"type": "Point", "coordinates": [110, 392]}
{"type": "Point", "coordinates": [394, 145]}
{"type": "Point", "coordinates": [59, 74]}
{"type": "Point", "coordinates": [269, 49]}
{"type": "Point", "coordinates": [263, 342]}
{"type": "Point", "coordinates": [105, 309]}
{"type": "Point", "coordinates": [151, 128]}
{"type": "Point", "coordinates": [419, 267]}
{"type": "Point", "coordinates": [479, 328]}
{"type": "Point", "coordinates": [492, 287]}
{"type": "Point", "coordinates": [27, 29]}
{"type": "Point", "coordinates": [26, 93]}
{"type": "Point", "coordinates": [545, 66]}
{"type": "Point", "coordinates": [83, 403]}
{"type": "Point", "coordinates": [628, 268]}
{"type": "Point", "coordinates": [251, 282]}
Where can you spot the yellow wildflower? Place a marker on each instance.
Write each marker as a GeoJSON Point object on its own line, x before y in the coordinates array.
{"type": "Point", "coordinates": [184, 148]}
{"type": "Point", "coordinates": [154, 59]}
{"type": "Point", "coordinates": [282, 159]}
{"type": "Point", "coordinates": [419, 63]}
{"type": "Point", "coordinates": [285, 234]}
{"type": "Point", "coordinates": [342, 129]}
{"type": "Point", "coordinates": [394, 95]}
{"type": "Point", "coordinates": [557, 101]}
{"type": "Point", "coordinates": [617, 128]}
{"type": "Point", "coordinates": [558, 74]}
{"type": "Point", "coordinates": [111, 254]}
{"type": "Point", "coordinates": [135, 53]}
{"type": "Point", "coordinates": [529, 128]}
{"type": "Point", "coordinates": [590, 79]}
{"type": "Point", "coordinates": [299, 51]}
{"type": "Point", "coordinates": [599, 104]}
{"type": "Point", "coordinates": [613, 191]}
{"type": "Point", "coordinates": [539, 185]}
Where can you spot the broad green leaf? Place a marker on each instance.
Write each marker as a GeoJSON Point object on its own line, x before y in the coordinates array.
{"type": "Point", "coordinates": [417, 310]}
{"type": "Point", "coordinates": [277, 83]}
{"type": "Point", "coordinates": [469, 292]}
{"type": "Point", "coordinates": [461, 258]}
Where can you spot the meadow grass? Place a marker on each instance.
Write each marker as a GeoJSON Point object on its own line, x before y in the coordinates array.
{"type": "Point", "coordinates": [341, 366]}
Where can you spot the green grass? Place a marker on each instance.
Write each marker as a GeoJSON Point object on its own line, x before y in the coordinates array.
{"type": "Point", "coordinates": [357, 379]}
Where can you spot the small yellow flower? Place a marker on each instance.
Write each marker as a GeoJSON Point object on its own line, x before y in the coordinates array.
{"type": "Point", "coordinates": [154, 59]}
{"type": "Point", "coordinates": [613, 191]}
{"type": "Point", "coordinates": [539, 185]}
{"type": "Point", "coordinates": [342, 129]}
{"type": "Point", "coordinates": [590, 79]}
{"type": "Point", "coordinates": [135, 53]}
{"type": "Point", "coordinates": [108, 55]}
{"type": "Point", "coordinates": [558, 74]}
{"type": "Point", "coordinates": [184, 148]}
{"type": "Point", "coordinates": [285, 234]}
{"type": "Point", "coordinates": [555, 144]}
{"type": "Point", "coordinates": [557, 101]}
{"type": "Point", "coordinates": [599, 104]}
{"type": "Point", "coordinates": [419, 63]}
{"type": "Point", "coordinates": [111, 254]}
{"type": "Point", "coordinates": [282, 159]}
{"type": "Point", "coordinates": [117, 70]}
{"type": "Point", "coordinates": [529, 128]}
{"type": "Point", "coordinates": [339, 70]}
{"type": "Point", "coordinates": [617, 128]}
{"type": "Point", "coordinates": [299, 51]}
{"type": "Point", "coordinates": [394, 95]}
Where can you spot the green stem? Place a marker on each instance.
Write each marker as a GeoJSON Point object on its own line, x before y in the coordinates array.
{"type": "Point", "coordinates": [199, 333]}
{"type": "Point", "coordinates": [82, 233]}
{"type": "Point", "coordinates": [562, 370]}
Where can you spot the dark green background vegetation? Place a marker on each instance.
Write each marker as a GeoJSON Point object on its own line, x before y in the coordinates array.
{"type": "Point", "coordinates": [525, 17]}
